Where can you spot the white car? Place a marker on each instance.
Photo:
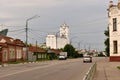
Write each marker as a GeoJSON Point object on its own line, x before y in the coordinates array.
{"type": "Point", "coordinates": [62, 57]}
{"type": "Point", "coordinates": [87, 58]}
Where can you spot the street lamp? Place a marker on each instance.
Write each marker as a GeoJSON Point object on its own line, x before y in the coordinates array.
{"type": "Point", "coordinates": [72, 39]}
{"type": "Point", "coordinates": [36, 16]}
{"type": "Point", "coordinates": [56, 39]}
{"type": "Point", "coordinates": [79, 44]}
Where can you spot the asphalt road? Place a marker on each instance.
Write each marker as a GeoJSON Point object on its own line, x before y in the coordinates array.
{"type": "Point", "coordinates": [70, 69]}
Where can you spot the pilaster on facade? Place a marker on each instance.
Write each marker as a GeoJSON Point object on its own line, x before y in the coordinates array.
{"type": "Point", "coordinates": [114, 30]}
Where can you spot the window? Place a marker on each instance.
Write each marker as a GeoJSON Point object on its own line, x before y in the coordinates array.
{"type": "Point", "coordinates": [115, 46]}
{"type": "Point", "coordinates": [12, 54]}
{"type": "Point", "coordinates": [19, 54]}
{"type": "Point", "coordinates": [5, 55]}
{"type": "Point", "coordinates": [114, 24]}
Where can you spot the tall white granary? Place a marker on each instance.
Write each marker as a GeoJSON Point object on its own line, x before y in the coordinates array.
{"type": "Point", "coordinates": [64, 31]}
{"type": "Point", "coordinates": [60, 39]}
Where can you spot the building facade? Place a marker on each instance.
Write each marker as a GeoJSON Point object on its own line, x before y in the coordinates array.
{"type": "Point", "coordinates": [36, 53]}
{"type": "Point", "coordinates": [11, 49]}
{"type": "Point", "coordinates": [51, 41]}
{"type": "Point", "coordinates": [114, 30]}
{"type": "Point", "coordinates": [58, 41]}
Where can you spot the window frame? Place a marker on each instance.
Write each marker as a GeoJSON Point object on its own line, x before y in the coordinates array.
{"type": "Point", "coordinates": [114, 24]}
{"type": "Point", "coordinates": [115, 46]}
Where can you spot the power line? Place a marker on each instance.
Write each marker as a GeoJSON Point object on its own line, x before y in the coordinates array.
{"type": "Point", "coordinates": [11, 25]}
{"type": "Point", "coordinates": [96, 32]}
{"type": "Point", "coordinates": [43, 31]}
{"type": "Point", "coordinates": [97, 20]}
{"type": "Point", "coordinates": [18, 33]}
{"type": "Point", "coordinates": [16, 30]}
{"type": "Point", "coordinates": [36, 33]}
{"type": "Point", "coordinates": [37, 36]}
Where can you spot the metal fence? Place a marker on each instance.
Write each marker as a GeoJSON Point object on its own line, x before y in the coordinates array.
{"type": "Point", "coordinates": [90, 74]}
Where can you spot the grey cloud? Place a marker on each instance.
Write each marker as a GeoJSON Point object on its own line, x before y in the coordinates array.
{"type": "Point", "coordinates": [76, 13]}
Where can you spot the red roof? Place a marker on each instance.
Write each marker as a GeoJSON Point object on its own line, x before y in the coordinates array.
{"type": "Point", "coordinates": [36, 49]}
{"type": "Point", "coordinates": [4, 40]}
{"type": "Point", "coordinates": [56, 51]}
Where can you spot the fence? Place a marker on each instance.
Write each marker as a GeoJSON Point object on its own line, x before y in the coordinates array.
{"type": "Point", "coordinates": [90, 74]}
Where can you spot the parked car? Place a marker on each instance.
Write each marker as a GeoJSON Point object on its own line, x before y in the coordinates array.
{"type": "Point", "coordinates": [62, 57]}
{"type": "Point", "coordinates": [87, 58]}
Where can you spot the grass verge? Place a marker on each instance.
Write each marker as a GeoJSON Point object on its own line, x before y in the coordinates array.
{"type": "Point", "coordinates": [118, 67]}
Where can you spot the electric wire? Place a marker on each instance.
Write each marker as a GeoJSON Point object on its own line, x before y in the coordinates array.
{"type": "Point", "coordinates": [35, 35]}
{"type": "Point", "coordinates": [91, 22]}
{"type": "Point", "coordinates": [17, 30]}
{"type": "Point", "coordinates": [17, 33]}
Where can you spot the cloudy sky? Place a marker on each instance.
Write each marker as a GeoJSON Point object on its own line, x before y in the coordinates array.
{"type": "Point", "coordinates": [87, 20]}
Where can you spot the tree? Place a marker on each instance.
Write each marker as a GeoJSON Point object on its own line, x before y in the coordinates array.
{"type": "Point", "coordinates": [107, 42]}
{"type": "Point", "coordinates": [70, 50]}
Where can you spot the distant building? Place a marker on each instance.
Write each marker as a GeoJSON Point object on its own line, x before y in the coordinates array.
{"type": "Point", "coordinates": [114, 30]}
{"type": "Point", "coordinates": [58, 41]}
{"type": "Point", "coordinates": [51, 41]}
{"type": "Point", "coordinates": [36, 53]}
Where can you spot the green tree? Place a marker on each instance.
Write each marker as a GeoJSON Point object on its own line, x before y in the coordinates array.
{"type": "Point", "coordinates": [106, 42]}
{"type": "Point", "coordinates": [70, 50]}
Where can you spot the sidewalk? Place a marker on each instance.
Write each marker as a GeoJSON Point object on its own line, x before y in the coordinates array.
{"type": "Point", "coordinates": [107, 70]}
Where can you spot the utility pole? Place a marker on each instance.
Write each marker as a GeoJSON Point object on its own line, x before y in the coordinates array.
{"type": "Point", "coordinates": [56, 41]}
{"type": "Point", "coordinates": [72, 39]}
{"type": "Point", "coordinates": [56, 35]}
{"type": "Point", "coordinates": [36, 46]}
{"type": "Point", "coordinates": [26, 29]}
{"type": "Point", "coordinates": [79, 44]}
{"type": "Point", "coordinates": [89, 47]}
{"type": "Point", "coordinates": [26, 38]}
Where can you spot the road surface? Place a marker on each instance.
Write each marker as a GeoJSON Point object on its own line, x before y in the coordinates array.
{"type": "Point", "coordinates": [70, 69]}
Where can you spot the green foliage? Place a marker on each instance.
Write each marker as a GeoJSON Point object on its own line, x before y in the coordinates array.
{"type": "Point", "coordinates": [51, 56]}
{"type": "Point", "coordinates": [15, 62]}
{"type": "Point", "coordinates": [76, 55]}
{"type": "Point", "coordinates": [107, 41]}
{"type": "Point", "coordinates": [101, 55]}
{"type": "Point", "coordinates": [71, 51]}
{"type": "Point", "coordinates": [107, 32]}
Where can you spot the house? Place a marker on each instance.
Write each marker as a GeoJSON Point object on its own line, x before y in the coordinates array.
{"type": "Point", "coordinates": [37, 53]}
{"type": "Point", "coordinates": [53, 53]}
{"type": "Point", "coordinates": [11, 49]}
{"type": "Point", "coordinates": [114, 30]}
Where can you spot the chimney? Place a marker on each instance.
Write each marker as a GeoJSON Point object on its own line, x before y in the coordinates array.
{"type": "Point", "coordinates": [118, 4]}
{"type": "Point", "coordinates": [111, 3]}
{"type": "Point", "coordinates": [118, 1]}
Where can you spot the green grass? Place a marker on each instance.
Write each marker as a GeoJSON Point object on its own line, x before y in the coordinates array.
{"type": "Point", "coordinates": [13, 62]}
{"type": "Point", "coordinates": [118, 67]}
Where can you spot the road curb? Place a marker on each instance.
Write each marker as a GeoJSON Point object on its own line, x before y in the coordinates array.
{"type": "Point", "coordinates": [90, 74]}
